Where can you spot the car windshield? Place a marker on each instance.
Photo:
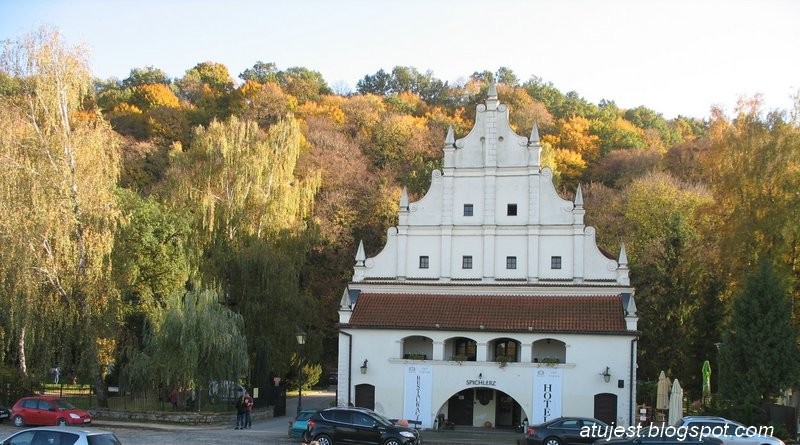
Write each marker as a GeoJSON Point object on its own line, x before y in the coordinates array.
{"type": "Point", "coordinates": [63, 404]}
{"type": "Point", "coordinates": [381, 420]}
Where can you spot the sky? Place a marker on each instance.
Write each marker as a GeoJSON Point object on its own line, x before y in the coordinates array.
{"type": "Point", "coordinates": [677, 57]}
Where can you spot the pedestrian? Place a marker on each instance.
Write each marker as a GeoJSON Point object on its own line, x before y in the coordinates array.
{"type": "Point", "coordinates": [173, 397]}
{"type": "Point", "coordinates": [240, 410]}
{"type": "Point", "coordinates": [248, 409]}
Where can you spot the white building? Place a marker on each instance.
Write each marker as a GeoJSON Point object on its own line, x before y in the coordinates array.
{"type": "Point", "coordinates": [490, 302]}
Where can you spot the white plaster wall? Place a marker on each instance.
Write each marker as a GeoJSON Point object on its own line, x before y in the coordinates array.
{"type": "Point", "coordinates": [587, 358]}
{"type": "Point", "coordinates": [555, 245]}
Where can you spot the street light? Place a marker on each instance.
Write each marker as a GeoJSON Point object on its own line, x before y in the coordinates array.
{"type": "Point", "coordinates": [301, 340]}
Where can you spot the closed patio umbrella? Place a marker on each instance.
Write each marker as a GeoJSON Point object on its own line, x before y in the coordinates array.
{"type": "Point", "coordinates": [675, 402]}
{"type": "Point", "coordinates": [662, 392]}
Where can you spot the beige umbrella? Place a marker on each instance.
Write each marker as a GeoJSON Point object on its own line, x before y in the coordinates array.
{"type": "Point", "coordinates": [675, 403]}
{"type": "Point", "coordinates": [662, 392]}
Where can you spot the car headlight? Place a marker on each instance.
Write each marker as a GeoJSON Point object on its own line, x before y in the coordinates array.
{"type": "Point", "coordinates": [406, 434]}
{"type": "Point", "coordinates": [74, 416]}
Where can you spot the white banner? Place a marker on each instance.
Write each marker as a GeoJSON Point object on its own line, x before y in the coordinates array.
{"type": "Point", "coordinates": [547, 384]}
{"type": "Point", "coordinates": [417, 394]}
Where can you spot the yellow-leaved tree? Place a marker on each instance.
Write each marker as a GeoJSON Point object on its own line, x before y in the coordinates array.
{"type": "Point", "coordinates": [58, 211]}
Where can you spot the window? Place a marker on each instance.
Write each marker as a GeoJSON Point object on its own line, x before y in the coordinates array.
{"type": "Point", "coordinates": [511, 262]}
{"type": "Point", "coordinates": [555, 262]}
{"type": "Point", "coordinates": [424, 262]}
{"type": "Point", "coordinates": [505, 350]}
{"type": "Point", "coordinates": [512, 210]}
{"type": "Point", "coordinates": [466, 262]}
{"type": "Point", "coordinates": [466, 348]}
{"type": "Point", "coordinates": [468, 210]}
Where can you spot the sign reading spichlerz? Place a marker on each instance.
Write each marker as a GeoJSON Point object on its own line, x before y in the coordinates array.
{"type": "Point", "coordinates": [482, 382]}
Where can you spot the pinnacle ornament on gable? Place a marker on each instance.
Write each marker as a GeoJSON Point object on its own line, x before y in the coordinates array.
{"type": "Point", "coordinates": [623, 256]}
{"type": "Point", "coordinates": [534, 139]}
{"type": "Point", "coordinates": [450, 139]}
{"type": "Point", "coordinates": [578, 197]}
{"type": "Point", "coordinates": [360, 255]}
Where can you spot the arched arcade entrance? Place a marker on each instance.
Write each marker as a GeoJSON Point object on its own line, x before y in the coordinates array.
{"type": "Point", "coordinates": [479, 405]}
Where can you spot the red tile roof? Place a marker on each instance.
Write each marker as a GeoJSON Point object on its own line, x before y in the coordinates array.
{"type": "Point", "coordinates": [579, 314]}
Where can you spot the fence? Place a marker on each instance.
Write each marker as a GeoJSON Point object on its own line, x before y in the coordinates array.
{"type": "Point", "coordinates": [219, 397]}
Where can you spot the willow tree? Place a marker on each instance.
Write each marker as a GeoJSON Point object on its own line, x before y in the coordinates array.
{"type": "Point", "coordinates": [58, 176]}
{"type": "Point", "coordinates": [195, 340]}
{"type": "Point", "coordinates": [251, 219]}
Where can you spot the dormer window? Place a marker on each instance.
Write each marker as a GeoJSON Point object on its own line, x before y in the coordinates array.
{"type": "Point", "coordinates": [555, 262]}
{"type": "Point", "coordinates": [468, 210]}
{"type": "Point", "coordinates": [512, 210]}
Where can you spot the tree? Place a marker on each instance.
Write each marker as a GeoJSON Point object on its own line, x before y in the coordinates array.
{"type": "Point", "coordinates": [759, 354]}
{"type": "Point", "coordinates": [145, 76]}
{"type": "Point", "coordinates": [59, 172]}
{"type": "Point", "coordinates": [250, 221]}
{"type": "Point", "coordinates": [208, 87]}
{"type": "Point", "coordinates": [195, 340]}
{"type": "Point", "coordinates": [261, 73]}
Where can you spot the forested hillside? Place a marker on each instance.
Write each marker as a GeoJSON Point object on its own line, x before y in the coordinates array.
{"type": "Point", "coordinates": [179, 230]}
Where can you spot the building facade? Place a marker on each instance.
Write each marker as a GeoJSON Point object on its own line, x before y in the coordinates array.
{"type": "Point", "coordinates": [490, 303]}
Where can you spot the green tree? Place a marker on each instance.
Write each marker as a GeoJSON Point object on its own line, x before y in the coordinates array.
{"type": "Point", "coordinates": [251, 226]}
{"type": "Point", "coordinates": [145, 76]}
{"type": "Point", "coordinates": [759, 354]}
{"type": "Point", "coordinates": [261, 72]}
{"type": "Point", "coordinates": [194, 341]}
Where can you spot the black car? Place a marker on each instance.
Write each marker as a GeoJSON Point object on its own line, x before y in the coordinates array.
{"type": "Point", "coordinates": [357, 426]}
{"type": "Point", "coordinates": [565, 431]}
{"type": "Point", "coordinates": [5, 413]}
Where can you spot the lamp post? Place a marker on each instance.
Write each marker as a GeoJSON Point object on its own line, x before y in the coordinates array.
{"type": "Point", "coordinates": [301, 341]}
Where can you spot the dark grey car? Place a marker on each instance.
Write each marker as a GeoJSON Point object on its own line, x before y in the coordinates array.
{"type": "Point", "coordinates": [357, 426]}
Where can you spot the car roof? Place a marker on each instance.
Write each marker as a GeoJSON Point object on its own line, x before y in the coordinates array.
{"type": "Point", "coordinates": [70, 429]}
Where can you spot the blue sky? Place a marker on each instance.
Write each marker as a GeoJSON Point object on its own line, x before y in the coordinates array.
{"type": "Point", "coordinates": [674, 56]}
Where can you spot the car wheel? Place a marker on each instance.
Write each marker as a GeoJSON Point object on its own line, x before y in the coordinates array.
{"type": "Point", "coordinates": [324, 440]}
{"type": "Point", "coordinates": [19, 421]}
{"type": "Point", "coordinates": [61, 422]}
{"type": "Point", "coordinates": [391, 441]}
{"type": "Point", "coordinates": [552, 441]}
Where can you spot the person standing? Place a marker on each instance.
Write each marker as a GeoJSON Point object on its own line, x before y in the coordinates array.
{"type": "Point", "coordinates": [248, 409]}
{"type": "Point", "coordinates": [240, 410]}
{"type": "Point", "coordinates": [173, 397]}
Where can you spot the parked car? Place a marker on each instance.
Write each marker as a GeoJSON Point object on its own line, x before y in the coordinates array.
{"type": "Point", "coordinates": [565, 431]}
{"type": "Point", "coordinates": [659, 438]}
{"type": "Point", "coordinates": [47, 410]}
{"type": "Point", "coordinates": [62, 435]}
{"type": "Point", "coordinates": [728, 431]}
{"type": "Point", "coordinates": [300, 423]}
{"type": "Point", "coordinates": [357, 426]}
{"type": "Point", "coordinates": [5, 413]}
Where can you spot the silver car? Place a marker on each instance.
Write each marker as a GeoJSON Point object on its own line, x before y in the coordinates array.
{"type": "Point", "coordinates": [59, 435]}
{"type": "Point", "coordinates": [729, 431]}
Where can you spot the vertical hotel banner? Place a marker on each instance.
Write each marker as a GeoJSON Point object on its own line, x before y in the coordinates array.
{"type": "Point", "coordinates": [547, 385]}
{"type": "Point", "coordinates": [417, 394]}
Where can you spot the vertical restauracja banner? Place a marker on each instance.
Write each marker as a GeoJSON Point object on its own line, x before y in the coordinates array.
{"type": "Point", "coordinates": [417, 394]}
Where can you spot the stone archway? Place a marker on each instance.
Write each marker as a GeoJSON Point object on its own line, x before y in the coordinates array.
{"type": "Point", "coordinates": [481, 406]}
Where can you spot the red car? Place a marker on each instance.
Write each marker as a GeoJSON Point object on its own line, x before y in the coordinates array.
{"type": "Point", "coordinates": [45, 410]}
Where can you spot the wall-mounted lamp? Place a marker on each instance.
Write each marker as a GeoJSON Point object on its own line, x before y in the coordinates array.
{"type": "Point", "coordinates": [480, 376]}
{"type": "Point", "coordinates": [606, 375]}
{"type": "Point", "coordinates": [364, 367]}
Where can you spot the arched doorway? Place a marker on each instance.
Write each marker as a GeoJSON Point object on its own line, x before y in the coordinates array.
{"type": "Point", "coordinates": [476, 406]}
{"type": "Point", "coordinates": [605, 407]}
